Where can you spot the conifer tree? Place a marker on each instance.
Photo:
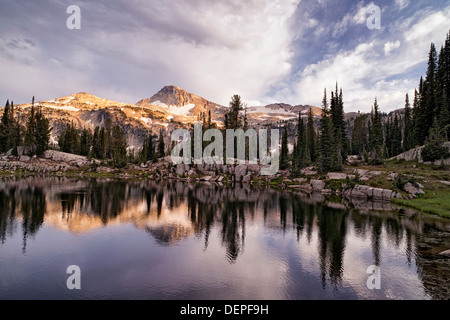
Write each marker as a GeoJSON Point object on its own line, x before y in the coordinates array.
{"type": "Point", "coordinates": [360, 133]}
{"type": "Point", "coordinates": [339, 125]}
{"type": "Point", "coordinates": [245, 121]}
{"type": "Point", "coordinates": [393, 139]}
{"type": "Point", "coordinates": [434, 148]}
{"type": "Point", "coordinates": [209, 120]}
{"type": "Point", "coordinates": [5, 128]}
{"type": "Point", "coordinates": [30, 133]}
{"type": "Point", "coordinates": [284, 156]}
{"type": "Point", "coordinates": [311, 137]}
{"type": "Point", "coordinates": [233, 117]}
{"type": "Point", "coordinates": [118, 147]}
{"type": "Point", "coordinates": [108, 136]}
{"type": "Point", "coordinates": [151, 149]}
{"type": "Point", "coordinates": [299, 151]}
{"type": "Point", "coordinates": [376, 134]}
{"type": "Point", "coordinates": [43, 131]}
{"type": "Point", "coordinates": [444, 118]}
{"type": "Point", "coordinates": [102, 144]}
{"type": "Point", "coordinates": [96, 143]}
{"type": "Point", "coordinates": [415, 118]}
{"type": "Point", "coordinates": [327, 149]}
{"type": "Point", "coordinates": [86, 142]}
{"type": "Point", "coordinates": [408, 139]}
{"type": "Point", "coordinates": [161, 146]}
{"type": "Point", "coordinates": [69, 140]}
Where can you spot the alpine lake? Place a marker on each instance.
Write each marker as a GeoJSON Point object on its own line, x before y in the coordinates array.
{"type": "Point", "coordinates": [173, 240]}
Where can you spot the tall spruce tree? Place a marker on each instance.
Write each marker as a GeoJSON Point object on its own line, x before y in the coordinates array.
{"type": "Point", "coordinates": [31, 132]}
{"type": "Point", "coordinates": [311, 137]}
{"type": "Point", "coordinates": [96, 143]}
{"type": "Point", "coordinates": [427, 101]}
{"type": "Point", "coordinates": [43, 131]}
{"type": "Point", "coordinates": [360, 133]}
{"type": "Point", "coordinates": [233, 117]}
{"type": "Point", "coordinates": [327, 148]}
{"type": "Point", "coordinates": [408, 138]}
{"type": "Point", "coordinates": [395, 137]}
{"type": "Point", "coordinates": [161, 146]}
{"type": "Point", "coordinates": [118, 147]}
{"type": "Point", "coordinates": [69, 140]}
{"type": "Point", "coordinates": [5, 128]}
{"type": "Point", "coordinates": [86, 142]}
{"type": "Point", "coordinates": [299, 150]}
{"type": "Point", "coordinates": [284, 155]}
{"type": "Point", "coordinates": [339, 125]}
{"type": "Point", "coordinates": [376, 134]}
{"type": "Point", "coordinates": [421, 114]}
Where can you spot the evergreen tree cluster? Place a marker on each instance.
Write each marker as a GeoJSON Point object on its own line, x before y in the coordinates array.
{"type": "Point", "coordinates": [10, 130]}
{"type": "Point", "coordinates": [305, 148]}
{"type": "Point", "coordinates": [333, 142]}
{"type": "Point", "coordinates": [432, 97]}
{"type": "Point", "coordinates": [35, 136]}
{"type": "Point", "coordinates": [360, 134]}
{"type": "Point", "coordinates": [206, 119]}
{"type": "Point", "coordinates": [430, 118]}
{"type": "Point", "coordinates": [106, 143]}
{"type": "Point", "coordinates": [152, 151]}
{"type": "Point", "coordinates": [393, 137]}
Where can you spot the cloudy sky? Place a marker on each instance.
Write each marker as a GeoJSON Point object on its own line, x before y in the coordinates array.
{"type": "Point", "coordinates": [265, 50]}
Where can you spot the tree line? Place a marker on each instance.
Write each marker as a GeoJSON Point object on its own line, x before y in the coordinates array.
{"type": "Point", "coordinates": [105, 143]}
{"type": "Point", "coordinates": [109, 143]}
{"type": "Point", "coordinates": [34, 136]}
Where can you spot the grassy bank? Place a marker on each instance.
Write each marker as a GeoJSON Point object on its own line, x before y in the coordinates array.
{"type": "Point", "coordinates": [435, 201]}
{"type": "Point", "coordinates": [437, 197]}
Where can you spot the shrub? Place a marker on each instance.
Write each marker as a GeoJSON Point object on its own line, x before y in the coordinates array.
{"type": "Point", "coordinates": [401, 180]}
{"type": "Point", "coordinates": [377, 161]}
{"type": "Point", "coordinates": [434, 150]}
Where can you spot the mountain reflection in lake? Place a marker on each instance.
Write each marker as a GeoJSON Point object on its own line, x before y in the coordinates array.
{"type": "Point", "coordinates": [172, 240]}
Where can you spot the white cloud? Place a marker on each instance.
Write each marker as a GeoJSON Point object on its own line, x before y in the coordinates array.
{"type": "Point", "coordinates": [355, 17]}
{"type": "Point", "coordinates": [402, 4]}
{"type": "Point", "coordinates": [374, 68]}
{"type": "Point", "coordinates": [390, 46]}
{"type": "Point", "coordinates": [215, 49]}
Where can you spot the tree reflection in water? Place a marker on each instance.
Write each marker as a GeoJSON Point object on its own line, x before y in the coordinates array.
{"type": "Point", "coordinates": [171, 211]}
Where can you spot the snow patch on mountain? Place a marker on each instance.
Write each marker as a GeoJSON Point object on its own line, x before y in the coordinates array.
{"type": "Point", "coordinates": [265, 109]}
{"type": "Point", "coordinates": [147, 121]}
{"type": "Point", "coordinates": [179, 111]}
{"type": "Point", "coordinates": [66, 108]}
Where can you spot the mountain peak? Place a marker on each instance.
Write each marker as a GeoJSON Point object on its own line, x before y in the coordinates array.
{"type": "Point", "coordinates": [180, 102]}
{"type": "Point", "coordinates": [172, 91]}
{"type": "Point", "coordinates": [171, 87]}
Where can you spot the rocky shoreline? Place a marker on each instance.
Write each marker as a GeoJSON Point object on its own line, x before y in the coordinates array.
{"type": "Point", "coordinates": [350, 184]}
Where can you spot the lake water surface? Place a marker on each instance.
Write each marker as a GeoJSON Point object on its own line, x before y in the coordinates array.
{"type": "Point", "coordinates": [173, 240]}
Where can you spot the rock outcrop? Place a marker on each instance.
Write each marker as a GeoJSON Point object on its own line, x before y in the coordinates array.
{"type": "Point", "coordinates": [416, 154]}
{"type": "Point", "coordinates": [370, 193]}
{"type": "Point", "coordinates": [51, 161]}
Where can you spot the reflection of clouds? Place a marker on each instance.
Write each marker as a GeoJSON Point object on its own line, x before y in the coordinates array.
{"type": "Point", "coordinates": [270, 245]}
{"type": "Point", "coordinates": [397, 282]}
